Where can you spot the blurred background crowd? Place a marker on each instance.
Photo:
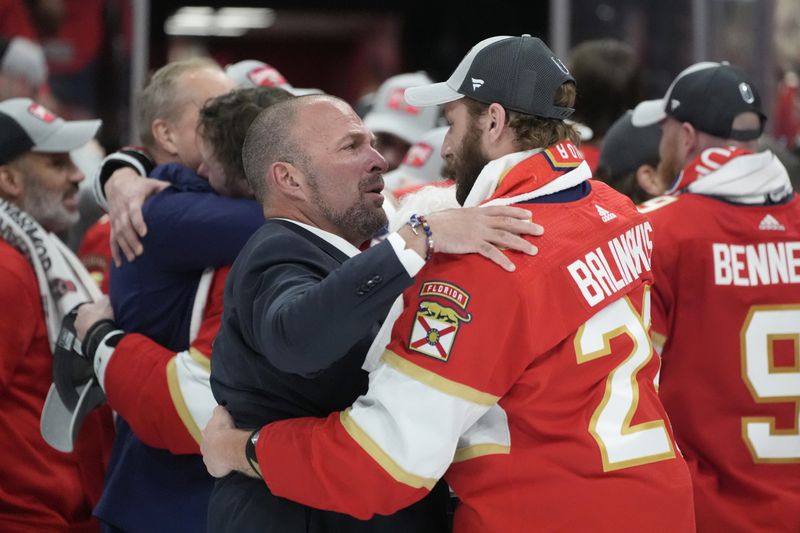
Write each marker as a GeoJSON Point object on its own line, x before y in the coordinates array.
{"type": "Point", "coordinates": [97, 53]}
{"type": "Point", "coordinates": [90, 58]}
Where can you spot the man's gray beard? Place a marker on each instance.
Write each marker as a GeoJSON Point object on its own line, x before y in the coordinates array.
{"type": "Point", "coordinates": [358, 219]}
{"type": "Point", "coordinates": [47, 208]}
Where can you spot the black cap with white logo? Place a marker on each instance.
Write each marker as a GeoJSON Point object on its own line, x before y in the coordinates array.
{"type": "Point", "coordinates": [26, 126]}
{"type": "Point", "coordinates": [520, 73]}
{"type": "Point", "coordinates": [709, 96]}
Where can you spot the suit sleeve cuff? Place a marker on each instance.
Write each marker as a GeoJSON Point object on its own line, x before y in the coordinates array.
{"type": "Point", "coordinates": [410, 259]}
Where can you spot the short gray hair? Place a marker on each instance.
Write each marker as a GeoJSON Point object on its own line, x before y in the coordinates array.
{"type": "Point", "coordinates": [271, 139]}
{"type": "Point", "coordinates": [160, 97]}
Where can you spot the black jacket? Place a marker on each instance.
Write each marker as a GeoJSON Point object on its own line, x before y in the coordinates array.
{"type": "Point", "coordinates": [299, 318]}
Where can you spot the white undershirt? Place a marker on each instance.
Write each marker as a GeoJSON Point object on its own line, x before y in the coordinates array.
{"type": "Point", "coordinates": [410, 259]}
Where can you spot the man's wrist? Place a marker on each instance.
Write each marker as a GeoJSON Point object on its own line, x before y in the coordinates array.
{"type": "Point", "coordinates": [250, 452]}
{"type": "Point", "coordinates": [132, 157]}
{"type": "Point", "coordinates": [415, 242]}
{"type": "Point", "coordinates": [418, 223]}
{"type": "Point", "coordinates": [95, 335]}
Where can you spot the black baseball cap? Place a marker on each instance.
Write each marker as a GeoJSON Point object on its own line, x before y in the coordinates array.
{"type": "Point", "coordinates": [626, 147]}
{"type": "Point", "coordinates": [709, 96]}
{"type": "Point", "coordinates": [26, 126]}
{"type": "Point", "coordinates": [520, 73]}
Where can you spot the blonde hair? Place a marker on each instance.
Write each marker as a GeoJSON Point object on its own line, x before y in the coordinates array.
{"type": "Point", "coordinates": [161, 99]}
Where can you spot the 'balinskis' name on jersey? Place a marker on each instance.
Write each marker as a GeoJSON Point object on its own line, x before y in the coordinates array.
{"type": "Point", "coordinates": [751, 265]}
{"type": "Point", "coordinates": [597, 277]}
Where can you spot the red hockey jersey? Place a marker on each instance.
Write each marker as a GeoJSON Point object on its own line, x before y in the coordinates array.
{"type": "Point", "coordinates": [531, 392]}
{"type": "Point", "coordinates": [41, 489]}
{"type": "Point", "coordinates": [726, 308]}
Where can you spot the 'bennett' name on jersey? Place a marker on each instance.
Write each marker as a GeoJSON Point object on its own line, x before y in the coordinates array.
{"type": "Point", "coordinates": [751, 265]}
{"type": "Point", "coordinates": [597, 277]}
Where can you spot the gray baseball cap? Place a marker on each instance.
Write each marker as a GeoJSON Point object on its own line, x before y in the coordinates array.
{"type": "Point", "coordinates": [26, 126]}
{"type": "Point", "coordinates": [391, 113]}
{"type": "Point", "coordinates": [253, 73]}
{"type": "Point", "coordinates": [422, 164]}
{"type": "Point", "coordinates": [520, 73]}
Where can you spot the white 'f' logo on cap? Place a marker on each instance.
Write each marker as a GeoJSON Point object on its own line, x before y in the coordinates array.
{"type": "Point", "coordinates": [747, 93]}
{"type": "Point", "coordinates": [476, 84]}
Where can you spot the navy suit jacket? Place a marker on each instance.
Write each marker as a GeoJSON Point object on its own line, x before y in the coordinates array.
{"type": "Point", "coordinates": [299, 318]}
{"type": "Point", "coordinates": [190, 228]}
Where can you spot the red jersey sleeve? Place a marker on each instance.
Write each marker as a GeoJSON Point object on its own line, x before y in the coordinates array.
{"type": "Point", "coordinates": [394, 443]}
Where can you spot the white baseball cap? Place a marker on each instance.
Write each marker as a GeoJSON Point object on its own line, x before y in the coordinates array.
{"type": "Point", "coordinates": [23, 58]}
{"type": "Point", "coordinates": [391, 113]}
{"type": "Point", "coordinates": [422, 164]}
{"type": "Point", "coordinates": [26, 126]}
{"type": "Point", "coordinates": [253, 73]}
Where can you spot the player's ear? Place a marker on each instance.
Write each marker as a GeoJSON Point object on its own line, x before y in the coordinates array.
{"type": "Point", "coordinates": [496, 121]}
{"type": "Point", "coordinates": [648, 179]}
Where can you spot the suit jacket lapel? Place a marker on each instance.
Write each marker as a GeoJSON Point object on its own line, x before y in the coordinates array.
{"type": "Point", "coordinates": [323, 245]}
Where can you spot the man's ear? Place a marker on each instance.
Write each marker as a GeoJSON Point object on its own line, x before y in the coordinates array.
{"type": "Point", "coordinates": [164, 136]}
{"type": "Point", "coordinates": [286, 178]}
{"type": "Point", "coordinates": [496, 121]}
{"type": "Point", "coordinates": [498, 137]}
{"type": "Point", "coordinates": [648, 179]}
{"type": "Point", "coordinates": [12, 185]}
{"type": "Point", "coordinates": [689, 140]}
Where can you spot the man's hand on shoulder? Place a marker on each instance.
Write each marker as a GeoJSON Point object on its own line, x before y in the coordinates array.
{"type": "Point", "coordinates": [483, 230]}
{"type": "Point", "coordinates": [126, 191]}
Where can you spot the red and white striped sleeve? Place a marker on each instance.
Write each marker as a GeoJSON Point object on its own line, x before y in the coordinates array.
{"type": "Point", "coordinates": [432, 400]}
{"type": "Point", "coordinates": [166, 396]}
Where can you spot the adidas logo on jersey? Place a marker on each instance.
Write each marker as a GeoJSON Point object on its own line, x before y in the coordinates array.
{"type": "Point", "coordinates": [770, 223]}
{"type": "Point", "coordinates": [605, 215]}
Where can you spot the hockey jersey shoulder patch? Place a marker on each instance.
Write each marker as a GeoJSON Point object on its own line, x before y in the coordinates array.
{"type": "Point", "coordinates": [441, 311]}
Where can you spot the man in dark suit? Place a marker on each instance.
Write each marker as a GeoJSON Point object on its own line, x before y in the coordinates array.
{"type": "Point", "coordinates": [302, 305]}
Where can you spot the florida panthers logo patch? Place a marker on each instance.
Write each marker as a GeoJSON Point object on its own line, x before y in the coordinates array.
{"type": "Point", "coordinates": [436, 324]}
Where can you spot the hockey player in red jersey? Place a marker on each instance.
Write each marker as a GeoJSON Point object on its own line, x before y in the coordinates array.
{"type": "Point", "coordinates": [531, 392]}
{"type": "Point", "coordinates": [726, 301]}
